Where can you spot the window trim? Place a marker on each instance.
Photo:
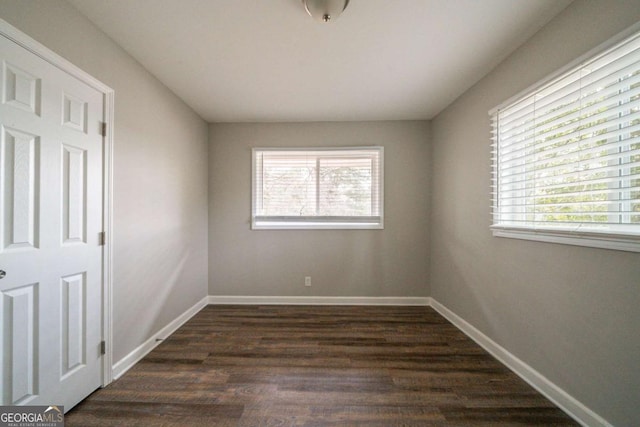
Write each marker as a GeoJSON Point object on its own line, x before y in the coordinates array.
{"type": "Point", "coordinates": [313, 222]}
{"type": "Point", "coordinates": [591, 239]}
{"type": "Point", "coordinates": [609, 239]}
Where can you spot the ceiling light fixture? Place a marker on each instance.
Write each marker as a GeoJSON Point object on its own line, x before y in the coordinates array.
{"type": "Point", "coordinates": [325, 10]}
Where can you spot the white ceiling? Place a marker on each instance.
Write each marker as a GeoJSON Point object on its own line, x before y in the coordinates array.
{"type": "Point", "coordinates": [267, 60]}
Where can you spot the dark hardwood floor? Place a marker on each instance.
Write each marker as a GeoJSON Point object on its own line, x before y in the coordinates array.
{"type": "Point", "coordinates": [317, 366]}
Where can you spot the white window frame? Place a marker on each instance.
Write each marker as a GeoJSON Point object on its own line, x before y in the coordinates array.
{"type": "Point", "coordinates": [318, 222]}
{"type": "Point", "coordinates": [626, 238]}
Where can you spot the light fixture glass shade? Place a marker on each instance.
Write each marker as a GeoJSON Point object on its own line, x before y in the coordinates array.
{"type": "Point", "coordinates": [325, 10]}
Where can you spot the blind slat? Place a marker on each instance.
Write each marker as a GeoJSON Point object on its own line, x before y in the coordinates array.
{"type": "Point", "coordinates": [585, 148]}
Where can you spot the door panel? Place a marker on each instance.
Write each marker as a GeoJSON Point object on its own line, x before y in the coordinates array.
{"type": "Point", "coordinates": [21, 155]}
{"type": "Point", "coordinates": [19, 336]}
{"type": "Point", "coordinates": [51, 197]}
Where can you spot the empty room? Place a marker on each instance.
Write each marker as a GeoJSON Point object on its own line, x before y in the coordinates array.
{"type": "Point", "coordinates": [320, 212]}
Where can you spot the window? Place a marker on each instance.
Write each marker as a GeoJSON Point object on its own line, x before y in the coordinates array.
{"type": "Point", "coordinates": [317, 188]}
{"type": "Point", "coordinates": [566, 156]}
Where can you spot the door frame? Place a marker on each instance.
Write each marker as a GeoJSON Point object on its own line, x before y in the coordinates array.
{"type": "Point", "coordinates": [26, 42]}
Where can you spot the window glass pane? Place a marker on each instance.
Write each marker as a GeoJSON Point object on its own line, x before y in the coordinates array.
{"type": "Point", "coordinates": [345, 187]}
{"type": "Point", "coordinates": [289, 186]}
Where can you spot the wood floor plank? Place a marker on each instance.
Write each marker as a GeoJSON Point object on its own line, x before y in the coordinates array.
{"type": "Point", "coordinates": [317, 366]}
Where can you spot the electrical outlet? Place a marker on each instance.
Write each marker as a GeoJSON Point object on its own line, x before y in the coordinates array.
{"type": "Point", "coordinates": [307, 281]}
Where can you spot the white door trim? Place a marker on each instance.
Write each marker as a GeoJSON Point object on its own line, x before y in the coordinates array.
{"type": "Point", "coordinates": [22, 39]}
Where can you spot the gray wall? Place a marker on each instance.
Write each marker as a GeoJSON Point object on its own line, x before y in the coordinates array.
{"type": "Point", "coordinates": [389, 262]}
{"type": "Point", "coordinates": [572, 313]}
{"type": "Point", "coordinates": [160, 175]}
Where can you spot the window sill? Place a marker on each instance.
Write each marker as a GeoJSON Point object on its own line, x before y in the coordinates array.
{"type": "Point", "coordinates": [264, 225]}
{"type": "Point", "coordinates": [620, 242]}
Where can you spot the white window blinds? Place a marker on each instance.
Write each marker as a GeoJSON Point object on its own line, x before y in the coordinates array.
{"type": "Point", "coordinates": [317, 188]}
{"type": "Point", "coordinates": [566, 157]}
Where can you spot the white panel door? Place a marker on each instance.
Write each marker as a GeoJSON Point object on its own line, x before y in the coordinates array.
{"type": "Point", "coordinates": [51, 196]}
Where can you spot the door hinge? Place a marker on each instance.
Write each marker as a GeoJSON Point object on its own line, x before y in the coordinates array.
{"type": "Point", "coordinates": [103, 129]}
{"type": "Point", "coordinates": [103, 347]}
{"type": "Point", "coordinates": [102, 238]}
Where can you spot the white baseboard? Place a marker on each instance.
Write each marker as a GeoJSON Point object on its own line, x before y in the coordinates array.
{"type": "Point", "coordinates": [293, 300]}
{"type": "Point", "coordinates": [561, 398]}
{"type": "Point", "coordinates": [127, 362]}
